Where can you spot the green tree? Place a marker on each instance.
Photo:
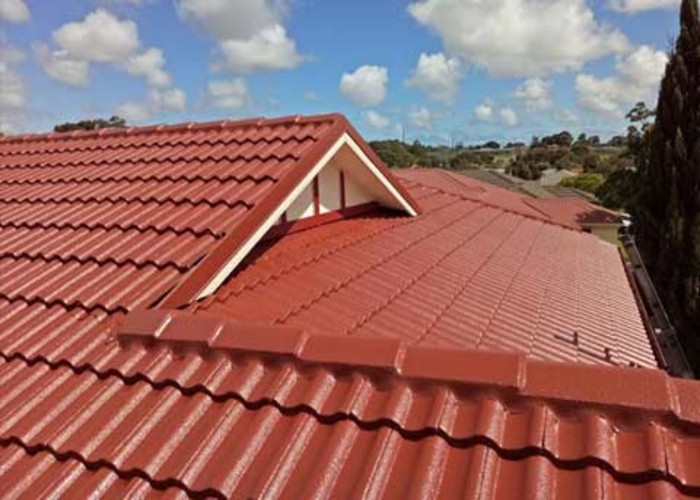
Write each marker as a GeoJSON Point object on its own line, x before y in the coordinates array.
{"type": "Point", "coordinates": [667, 211]}
{"type": "Point", "coordinates": [564, 139]}
{"type": "Point", "coordinates": [622, 184]}
{"type": "Point", "coordinates": [640, 113]}
{"type": "Point", "coordinates": [592, 163]}
{"type": "Point", "coordinates": [619, 189]}
{"type": "Point", "coordinates": [588, 182]}
{"type": "Point", "coordinates": [95, 124]}
{"type": "Point", "coordinates": [471, 159]}
{"type": "Point", "coordinates": [394, 153]}
{"type": "Point", "coordinates": [617, 141]}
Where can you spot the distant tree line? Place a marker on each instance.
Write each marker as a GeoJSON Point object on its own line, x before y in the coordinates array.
{"type": "Point", "coordinates": [94, 124]}
{"type": "Point", "coordinates": [558, 150]}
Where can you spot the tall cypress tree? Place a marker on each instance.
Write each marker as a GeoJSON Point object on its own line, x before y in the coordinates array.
{"type": "Point", "coordinates": [668, 205]}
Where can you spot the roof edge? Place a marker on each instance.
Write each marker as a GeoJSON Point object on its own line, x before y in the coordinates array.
{"type": "Point", "coordinates": [190, 126]}
{"type": "Point", "coordinates": [651, 392]}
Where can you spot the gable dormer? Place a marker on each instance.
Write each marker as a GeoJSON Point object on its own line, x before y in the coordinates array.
{"type": "Point", "coordinates": [345, 181]}
{"type": "Point", "coordinates": [337, 177]}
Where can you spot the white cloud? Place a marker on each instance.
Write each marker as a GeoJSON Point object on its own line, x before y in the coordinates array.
{"type": "Point", "coordinates": [645, 66]}
{"type": "Point", "coordinates": [134, 112]}
{"type": "Point", "coordinates": [251, 33]}
{"type": "Point", "coordinates": [148, 64]}
{"type": "Point", "coordinates": [637, 78]}
{"type": "Point", "coordinates": [233, 19]}
{"type": "Point", "coordinates": [634, 6]}
{"type": "Point", "coordinates": [158, 101]}
{"type": "Point", "coordinates": [367, 86]}
{"type": "Point", "coordinates": [376, 120]}
{"type": "Point", "coordinates": [310, 96]}
{"type": "Point", "coordinates": [60, 66]}
{"type": "Point", "coordinates": [438, 76]}
{"type": "Point", "coordinates": [520, 38]}
{"type": "Point", "coordinates": [127, 2]}
{"type": "Point", "coordinates": [269, 49]}
{"type": "Point", "coordinates": [566, 116]}
{"type": "Point", "coordinates": [422, 118]}
{"type": "Point", "coordinates": [167, 100]}
{"type": "Point", "coordinates": [231, 94]}
{"type": "Point", "coordinates": [509, 117]}
{"type": "Point", "coordinates": [100, 37]}
{"type": "Point", "coordinates": [14, 11]}
{"type": "Point", "coordinates": [13, 97]}
{"type": "Point", "coordinates": [603, 96]}
{"type": "Point", "coordinates": [12, 84]}
{"type": "Point", "coordinates": [536, 93]}
{"type": "Point", "coordinates": [484, 112]}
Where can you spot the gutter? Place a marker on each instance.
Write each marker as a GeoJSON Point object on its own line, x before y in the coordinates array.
{"type": "Point", "coordinates": [662, 333]}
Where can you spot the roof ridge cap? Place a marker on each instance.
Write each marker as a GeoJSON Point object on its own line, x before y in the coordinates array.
{"type": "Point", "coordinates": [158, 128]}
{"type": "Point", "coordinates": [613, 387]}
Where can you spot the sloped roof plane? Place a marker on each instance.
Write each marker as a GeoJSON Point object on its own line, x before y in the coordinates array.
{"type": "Point", "coordinates": [575, 212]}
{"type": "Point", "coordinates": [480, 348]}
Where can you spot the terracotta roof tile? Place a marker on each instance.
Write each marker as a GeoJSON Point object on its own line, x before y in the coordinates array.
{"type": "Point", "coordinates": [223, 442]}
{"type": "Point", "coordinates": [464, 274]}
{"type": "Point", "coordinates": [574, 212]}
{"type": "Point", "coordinates": [249, 393]}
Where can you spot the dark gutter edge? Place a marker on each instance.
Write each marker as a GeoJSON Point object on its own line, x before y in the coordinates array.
{"type": "Point", "coordinates": [662, 333]}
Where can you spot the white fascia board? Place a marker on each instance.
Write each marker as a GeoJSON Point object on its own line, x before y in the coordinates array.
{"type": "Point", "coordinates": [238, 257]}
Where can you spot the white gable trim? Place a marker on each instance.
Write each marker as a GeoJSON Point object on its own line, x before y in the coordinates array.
{"type": "Point", "coordinates": [378, 174]}
{"type": "Point", "coordinates": [345, 139]}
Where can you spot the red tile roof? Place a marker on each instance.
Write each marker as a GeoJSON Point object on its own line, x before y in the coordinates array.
{"type": "Point", "coordinates": [574, 212]}
{"type": "Point", "coordinates": [197, 190]}
{"type": "Point", "coordinates": [259, 390]}
{"type": "Point", "coordinates": [466, 274]}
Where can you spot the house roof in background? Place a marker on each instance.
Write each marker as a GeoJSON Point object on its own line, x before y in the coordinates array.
{"type": "Point", "coordinates": [532, 188]}
{"type": "Point", "coordinates": [494, 177]}
{"type": "Point", "coordinates": [566, 192]}
{"type": "Point", "coordinates": [553, 176]}
{"type": "Point", "coordinates": [253, 392]}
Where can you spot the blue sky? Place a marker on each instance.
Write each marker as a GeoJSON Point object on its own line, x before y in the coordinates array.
{"type": "Point", "coordinates": [436, 70]}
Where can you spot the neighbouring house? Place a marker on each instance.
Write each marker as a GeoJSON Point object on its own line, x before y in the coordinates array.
{"type": "Point", "coordinates": [546, 187]}
{"type": "Point", "coordinates": [575, 212]}
{"type": "Point", "coordinates": [495, 177]}
{"type": "Point", "coordinates": [260, 309]}
{"type": "Point", "coordinates": [553, 176]}
{"type": "Point", "coordinates": [566, 206]}
{"type": "Point", "coordinates": [534, 188]}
